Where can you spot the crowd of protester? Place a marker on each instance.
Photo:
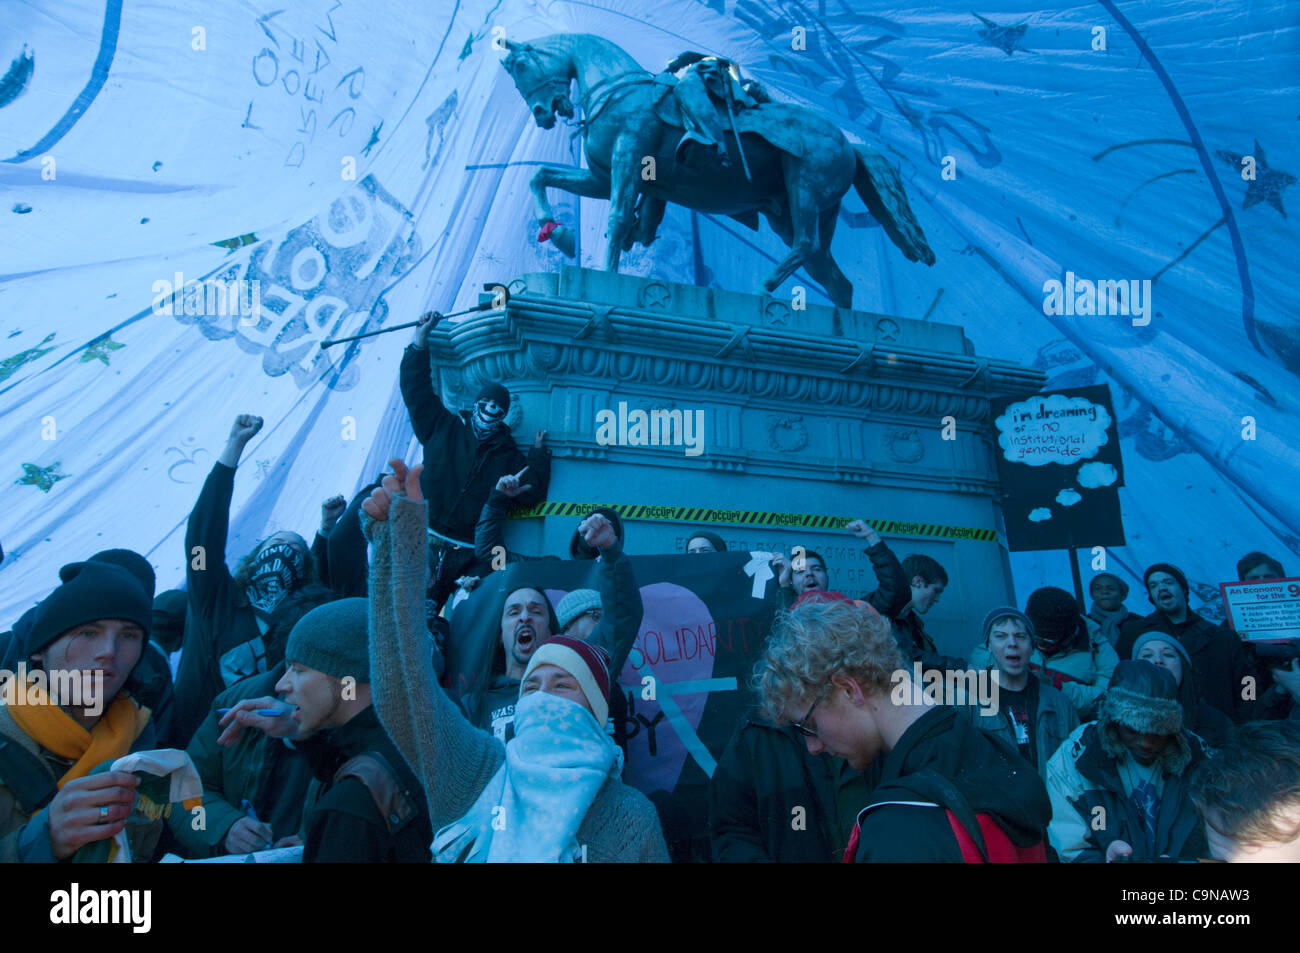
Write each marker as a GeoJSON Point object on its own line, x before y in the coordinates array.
{"type": "Point", "coordinates": [307, 688]}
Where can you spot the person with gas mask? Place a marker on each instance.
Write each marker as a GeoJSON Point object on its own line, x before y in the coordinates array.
{"type": "Point", "coordinates": [227, 615]}
{"type": "Point", "coordinates": [465, 454]}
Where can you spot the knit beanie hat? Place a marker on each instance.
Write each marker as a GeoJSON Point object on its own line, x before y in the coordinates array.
{"type": "Point", "coordinates": [90, 591]}
{"type": "Point", "coordinates": [1123, 586]}
{"type": "Point", "coordinates": [1001, 612]}
{"type": "Point", "coordinates": [1155, 634]}
{"type": "Point", "coordinates": [132, 562]}
{"type": "Point", "coordinates": [1055, 617]}
{"type": "Point", "coordinates": [1144, 698]}
{"type": "Point", "coordinates": [334, 639]}
{"type": "Point", "coordinates": [575, 604]}
{"type": "Point", "coordinates": [588, 663]}
{"type": "Point", "coordinates": [718, 543]}
{"type": "Point", "coordinates": [494, 391]}
{"type": "Point", "coordinates": [1173, 571]}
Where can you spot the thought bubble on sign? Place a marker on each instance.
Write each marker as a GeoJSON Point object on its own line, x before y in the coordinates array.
{"type": "Point", "coordinates": [1069, 497]}
{"type": "Point", "coordinates": [1093, 475]}
{"type": "Point", "coordinates": [1038, 514]}
{"type": "Point", "coordinates": [1052, 429]}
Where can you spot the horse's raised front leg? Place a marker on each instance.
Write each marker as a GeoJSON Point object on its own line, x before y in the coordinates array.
{"type": "Point", "coordinates": [585, 182]}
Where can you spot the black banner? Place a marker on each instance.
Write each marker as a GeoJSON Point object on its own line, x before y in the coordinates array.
{"type": "Point", "coordinates": [1060, 467]}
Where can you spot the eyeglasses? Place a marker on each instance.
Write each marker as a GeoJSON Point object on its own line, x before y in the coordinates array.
{"type": "Point", "coordinates": [800, 724]}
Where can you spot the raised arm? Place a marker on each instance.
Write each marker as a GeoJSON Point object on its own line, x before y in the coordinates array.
{"type": "Point", "coordinates": [209, 524]}
{"type": "Point", "coordinates": [422, 404]}
{"type": "Point", "coordinates": [453, 760]}
{"type": "Point", "coordinates": [892, 592]}
{"type": "Point", "coordinates": [347, 548]}
{"type": "Point", "coordinates": [620, 599]}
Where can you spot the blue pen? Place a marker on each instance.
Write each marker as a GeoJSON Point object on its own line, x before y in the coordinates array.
{"type": "Point", "coordinates": [247, 805]}
{"type": "Point", "coordinates": [264, 712]}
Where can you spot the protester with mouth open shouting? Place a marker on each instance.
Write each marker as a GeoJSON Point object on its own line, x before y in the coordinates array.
{"type": "Point", "coordinates": [550, 794]}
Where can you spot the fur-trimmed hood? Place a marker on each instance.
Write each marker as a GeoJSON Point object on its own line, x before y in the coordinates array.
{"type": "Point", "coordinates": [1157, 716]}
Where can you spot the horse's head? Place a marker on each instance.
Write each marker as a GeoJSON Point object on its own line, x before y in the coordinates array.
{"type": "Point", "coordinates": [542, 79]}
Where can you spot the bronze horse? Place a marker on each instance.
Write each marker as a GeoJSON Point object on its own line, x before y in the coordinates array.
{"type": "Point", "coordinates": [797, 164]}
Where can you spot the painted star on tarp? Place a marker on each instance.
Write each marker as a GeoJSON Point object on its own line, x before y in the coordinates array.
{"type": "Point", "coordinates": [11, 364]}
{"type": "Point", "coordinates": [1268, 184]}
{"type": "Point", "coordinates": [40, 477]}
{"type": "Point", "coordinates": [1004, 38]}
{"type": "Point", "coordinates": [100, 348]}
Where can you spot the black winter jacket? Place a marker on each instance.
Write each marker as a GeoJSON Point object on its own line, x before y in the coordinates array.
{"type": "Point", "coordinates": [770, 801]}
{"type": "Point", "coordinates": [991, 776]}
{"type": "Point", "coordinates": [459, 469]}
{"type": "Point", "coordinates": [218, 617]}
{"type": "Point", "coordinates": [343, 824]}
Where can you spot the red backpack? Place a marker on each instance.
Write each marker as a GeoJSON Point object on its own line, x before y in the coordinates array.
{"type": "Point", "coordinates": [979, 837]}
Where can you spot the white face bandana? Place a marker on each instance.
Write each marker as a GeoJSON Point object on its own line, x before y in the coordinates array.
{"type": "Point", "coordinates": [484, 423]}
{"type": "Point", "coordinates": [532, 808]}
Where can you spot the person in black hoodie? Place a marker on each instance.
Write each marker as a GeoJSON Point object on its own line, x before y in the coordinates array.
{"type": "Point", "coordinates": [947, 793]}
{"type": "Point", "coordinates": [465, 455]}
{"type": "Point", "coordinates": [228, 613]}
{"type": "Point", "coordinates": [366, 805]}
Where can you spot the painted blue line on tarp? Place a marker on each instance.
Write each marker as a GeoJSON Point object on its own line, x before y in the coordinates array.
{"type": "Point", "coordinates": [690, 740]}
{"type": "Point", "coordinates": [700, 685]}
{"type": "Point", "coordinates": [98, 77]}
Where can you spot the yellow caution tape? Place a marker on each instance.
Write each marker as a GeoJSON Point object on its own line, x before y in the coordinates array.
{"type": "Point", "coordinates": [700, 514]}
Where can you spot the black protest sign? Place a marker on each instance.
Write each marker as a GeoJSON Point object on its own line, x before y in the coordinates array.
{"type": "Point", "coordinates": [685, 680]}
{"type": "Point", "coordinates": [1059, 463]}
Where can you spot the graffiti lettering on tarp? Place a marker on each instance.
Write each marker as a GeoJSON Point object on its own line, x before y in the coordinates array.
{"type": "Point", "coordinates": [298, 65]}
{"type": "Point", "coordinates": [322, 280]}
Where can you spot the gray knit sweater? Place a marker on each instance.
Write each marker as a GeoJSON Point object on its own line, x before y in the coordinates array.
{"type": "Point", "coordinates": [454, 760]}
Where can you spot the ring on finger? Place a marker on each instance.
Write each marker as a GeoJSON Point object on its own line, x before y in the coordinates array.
{"type": "Point", "coordinates": [103, 814]}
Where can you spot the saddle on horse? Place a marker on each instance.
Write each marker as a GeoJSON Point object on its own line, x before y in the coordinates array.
{"type": "Point", "coordinates": [709, 95]}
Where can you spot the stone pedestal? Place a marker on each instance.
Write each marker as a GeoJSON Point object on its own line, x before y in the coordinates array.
{"type": "Point", "coordinates": [820, 412]}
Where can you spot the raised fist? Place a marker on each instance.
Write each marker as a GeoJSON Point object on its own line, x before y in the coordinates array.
{"type": "Point", "coordinates": [864, 530]}
{"type": "Point", "coordinates": [330, 511]}
{"type": "Point", "coordinates": [598, 532]}
{"type": "Point", "coordinates": [245, 428]}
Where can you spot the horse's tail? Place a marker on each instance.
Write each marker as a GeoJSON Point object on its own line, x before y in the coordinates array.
{"type": "Point", "coordinates": [881, 190]}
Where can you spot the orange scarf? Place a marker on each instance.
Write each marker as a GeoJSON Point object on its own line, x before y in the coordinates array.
{"type": "Point", "coordinates": [55, 730]}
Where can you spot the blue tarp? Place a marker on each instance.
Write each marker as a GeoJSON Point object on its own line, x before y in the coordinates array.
{"type": "Point", "coordinates": [366, 162]}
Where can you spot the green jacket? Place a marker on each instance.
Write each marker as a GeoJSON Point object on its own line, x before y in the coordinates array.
{"type": "Point", "coordinates": [261, 769]}
{"type": "Point", "coordinates": [24, 839]}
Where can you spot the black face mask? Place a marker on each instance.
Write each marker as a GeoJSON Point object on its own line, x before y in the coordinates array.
{"type": "Point", "coordinates": [278, 570]}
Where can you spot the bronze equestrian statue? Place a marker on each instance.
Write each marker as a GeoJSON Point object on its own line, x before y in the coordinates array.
{"type": "Point", "coordinates": [707, 141]}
